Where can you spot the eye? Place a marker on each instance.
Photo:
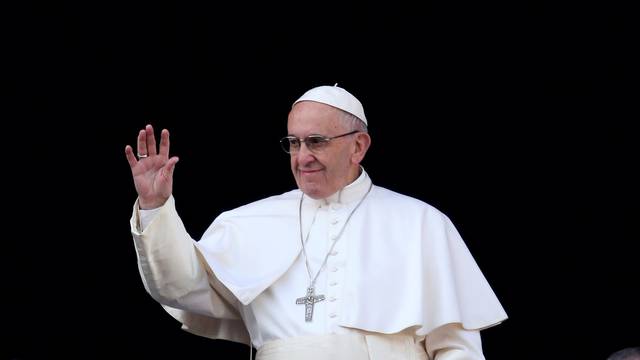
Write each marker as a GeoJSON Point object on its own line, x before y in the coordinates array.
{"type": "Point", "coordinates": [294, 142]}
{"type": "Point", "coordinates": [315, 140]}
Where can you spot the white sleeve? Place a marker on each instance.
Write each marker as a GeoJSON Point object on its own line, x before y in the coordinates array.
{"type": "Point", "coordinates": [172, 271]}
{"type": "Point", "coordinates": [453, 342]}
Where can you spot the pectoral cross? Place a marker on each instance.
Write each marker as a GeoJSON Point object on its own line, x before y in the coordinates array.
{"type": "Point", "coordinates": [308, 302]}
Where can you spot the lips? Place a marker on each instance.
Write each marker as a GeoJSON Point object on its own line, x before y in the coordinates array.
{"type": "Point", "coordinates": [309, 171]}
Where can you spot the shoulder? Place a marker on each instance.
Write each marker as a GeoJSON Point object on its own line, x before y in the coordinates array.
{"type": "Point", "coordinates": [396, 202]}
{"type": "Point", "coordinates": [404, 212]}
{"type": "Point", "coordinates": [272, 205]}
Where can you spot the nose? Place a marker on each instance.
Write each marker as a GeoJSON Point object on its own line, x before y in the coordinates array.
{"type": "Point", "coordinates": [304, 155]}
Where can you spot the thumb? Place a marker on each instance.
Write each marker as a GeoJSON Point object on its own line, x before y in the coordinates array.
{"type": "Point", "coordinates": [169, 167]}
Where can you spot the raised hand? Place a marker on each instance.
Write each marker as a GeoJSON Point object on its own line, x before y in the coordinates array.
{"type": "Point", "coordinates": [152, 171]}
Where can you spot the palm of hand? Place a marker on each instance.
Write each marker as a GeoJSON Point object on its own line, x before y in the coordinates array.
{"type": "Point", "coordinates": [150, 180]}
{"type": "Point", "coordinates": [153, 173]}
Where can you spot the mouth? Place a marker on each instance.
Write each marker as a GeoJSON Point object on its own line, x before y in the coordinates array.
{"type": "Point", "coordinates": [308, 171]}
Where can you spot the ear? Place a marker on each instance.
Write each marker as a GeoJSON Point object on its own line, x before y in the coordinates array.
{"type": "Point", "coordinates": [362, 143]}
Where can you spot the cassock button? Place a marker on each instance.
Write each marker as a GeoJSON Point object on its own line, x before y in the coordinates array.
{"type": "Point", "coordinates": [334, 221]}
{"type": "Point", "coordinates": [332, 315]}
{"type": "Point", "coordinates": [334, 269]}
{"type": "Point", "coordinates": [334, 237]}
{"type": "Point", "coordinates": [333, 283]}
{"type": "Point", "coordinates": [332, 298]}
{"type": "Point", "coordinates": [336, 206]}
{"type": "Point", "coordinates": [334, 253]}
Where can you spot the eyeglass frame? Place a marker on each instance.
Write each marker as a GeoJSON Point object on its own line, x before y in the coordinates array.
{"type": "Point", "coordinates": [324, 140]}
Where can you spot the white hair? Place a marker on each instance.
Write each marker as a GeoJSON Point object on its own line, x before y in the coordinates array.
{"type": "Point", "coordinates": [353, 122]}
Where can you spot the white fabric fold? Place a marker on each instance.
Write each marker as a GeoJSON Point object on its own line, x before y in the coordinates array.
{"type": "Point", "coordinates": [411, 250]}
{"type": "Point", "coordinates": [250, 247]}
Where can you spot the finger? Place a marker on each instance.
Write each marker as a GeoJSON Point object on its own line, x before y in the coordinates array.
{"type": "Point", "coordinates": [164, 143]}
{"type": "Point", "coordinates": [151, 140]}
{"type": "Point", "coordinates": [142, 142]}
{"type": "Point", "coordinates": [167, 170]}
{"type": "Point", "coordinates": [131, 158]}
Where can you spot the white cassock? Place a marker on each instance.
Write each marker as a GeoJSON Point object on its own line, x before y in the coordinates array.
{"type": "Point", "coordinates": [399, 267]}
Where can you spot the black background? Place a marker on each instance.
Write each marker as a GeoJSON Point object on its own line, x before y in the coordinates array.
{"type": "Point", "coordinates": [516, 120]}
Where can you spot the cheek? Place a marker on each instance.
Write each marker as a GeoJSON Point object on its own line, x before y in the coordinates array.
{"type": "Point", "coordinates": [340, 162]}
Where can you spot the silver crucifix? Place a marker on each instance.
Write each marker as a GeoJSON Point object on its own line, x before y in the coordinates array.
{"type": "Point", "coordinates": [308, 302]}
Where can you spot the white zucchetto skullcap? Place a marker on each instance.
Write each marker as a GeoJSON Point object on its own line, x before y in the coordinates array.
{"type": "Point", "coordinates": [336, 97]}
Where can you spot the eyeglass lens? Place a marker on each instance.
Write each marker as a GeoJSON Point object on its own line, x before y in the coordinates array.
{"type": "Point", "coordinates": [313, 143]}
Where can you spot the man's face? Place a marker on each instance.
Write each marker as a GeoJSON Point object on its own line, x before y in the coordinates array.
{"type": "Point", "coordinates": [321, 173]}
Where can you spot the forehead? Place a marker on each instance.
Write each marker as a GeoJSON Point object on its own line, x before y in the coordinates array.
{"type": "Point", "coordinates": [313, 117]}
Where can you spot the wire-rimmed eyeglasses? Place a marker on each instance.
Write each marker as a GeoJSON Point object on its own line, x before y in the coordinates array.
{"type": "Point", "coordinates": [291, 144]}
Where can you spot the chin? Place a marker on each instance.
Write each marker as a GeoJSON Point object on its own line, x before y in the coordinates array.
{"type": "Point", "coordinates": [312, 191]}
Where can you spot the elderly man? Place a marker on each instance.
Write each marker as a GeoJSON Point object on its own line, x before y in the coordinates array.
{"type": "Point", "coordinates": [336, 269]}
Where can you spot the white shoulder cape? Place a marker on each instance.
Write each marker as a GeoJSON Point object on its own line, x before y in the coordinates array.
{"type": "Point", "coordinates": [407, 264]}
